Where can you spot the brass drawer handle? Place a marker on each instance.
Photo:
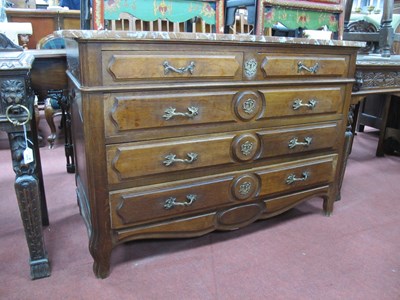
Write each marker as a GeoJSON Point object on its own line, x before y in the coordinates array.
{"type": "Point", "coordinates": [292, 178]}
{"type": "Point", "coordinates": [189, 69]}
{"type": "Point", "coordinates": [171, 201]}
{"type": "Point", "coordinates": [15, 107]}
{"type": "Point", "coordinates": [171, 158]}
{"type": "Point", "coordinates": [312, 70]}
{"type": "Point", "coordinates": [299, 103]}
{"type": "Point", "coordinates": [170, 112]}
{"type": "Point", "coordinates": [294, 142]}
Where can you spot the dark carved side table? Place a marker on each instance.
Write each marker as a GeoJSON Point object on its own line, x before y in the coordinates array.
{"type": "Point", "coordinates": [17, 119]}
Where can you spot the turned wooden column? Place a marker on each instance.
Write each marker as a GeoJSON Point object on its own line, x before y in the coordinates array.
{"type": "Point", "coordinates": [18, 120]}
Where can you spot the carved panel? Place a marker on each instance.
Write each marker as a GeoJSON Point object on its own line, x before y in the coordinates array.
{"type": "Point", "coordinates": [380, 79]}
{"type": "Point", "coordinates": [247, 105]}
{"type": "Point", "coordinates": [245, 147]}
{"type": "Point", "coordinates": [17, 146]}
{"type": "Point", "coordinates": [12, 92]}
{"type": "Point", "coordinates": [239, 216]}
{"type": "Point", "coordinates": [245, 186]}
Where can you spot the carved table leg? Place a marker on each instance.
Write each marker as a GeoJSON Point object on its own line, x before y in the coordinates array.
{"type": "Point", "coordinates": [49, 113]}
{"type": "Point", "coordinates": [380, 149]}
{"type": "Point", "coordinates": [28, 197]}
{"type": "Point", "coordinates": [38, 171]}
{"type": "Point", "coordinates": [67, 125]}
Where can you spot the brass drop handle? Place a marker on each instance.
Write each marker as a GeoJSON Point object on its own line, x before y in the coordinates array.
{"type": "Point", "coordinates": [171, 201]}
{"type": "Point", "coordinates": [292, 178]}
{"type": "Point", "coordinates": [312, 70]}
{"type": "Point", "coordinates": [299, 103]}
{"type": "Point", "coordinates": [171, 158]}
{"type": "Point", "coordinates": [15, 107]}
{"type": "Point", "coordinates": [168, 68]}
{"type": "Point", "coordinates": [171, 112]}
{"type": "Point", "coordinates": [294, 142]}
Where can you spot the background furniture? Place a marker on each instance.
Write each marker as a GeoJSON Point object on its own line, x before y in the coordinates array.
{"type": "Point", "coordinates": [48, 75]}
{"type": "Point", "coordinates": [240, 16]}
{"type": "Point", "coordinates": [18, 33]}
{"type": "Point", "coordinates": [385, 36]}
{"type": "Point", "coordinates": [183, 134]}
{"type": "Point", "coordinates": [305, 14]}
{"type": "Point", "coordinates": [379, 75]}
{"type": "Point", "coordinates": [127, 21]}
{"type": "Point", "coordinates": [44, 22]}
{"type": "Point", "coordinates": [211, 11]}
{"type": "Point", "coordinates": [17, 119]}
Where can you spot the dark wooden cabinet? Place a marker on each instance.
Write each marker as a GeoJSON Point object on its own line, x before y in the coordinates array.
{"type": "Point", "coordinates": [17, 118]}
{"type": "Point", "coordinates": [178, 135]}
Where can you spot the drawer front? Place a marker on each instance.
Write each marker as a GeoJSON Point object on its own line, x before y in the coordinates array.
{"type": "Point", "coordinates": [133, 160]}
{"type": "Point", "coordinates": [302, 101]}
{"type": "Point", "coordinates": [139, 111]}
{"type": "Point", "coordinates": [141, 205]}
{"type": "Point", "coordinates": [303, 65]}
{"type": "Point", "coordinates": [123, 66]}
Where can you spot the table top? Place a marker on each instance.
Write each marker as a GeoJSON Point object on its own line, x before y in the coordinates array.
{"type": "Point", "coordinates": [109, 35]}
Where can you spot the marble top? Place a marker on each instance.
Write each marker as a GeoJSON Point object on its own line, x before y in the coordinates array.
{"type": "Point", "coordinates": [377, 59]}
{"type": "Point", "coordinates": [188, 36]}
{"type": "Point", "coordinates": [15, 60]}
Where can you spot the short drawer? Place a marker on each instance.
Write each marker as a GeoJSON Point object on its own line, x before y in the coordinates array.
{"type": "Point", "coordinates": [129, 161]}
{"type": "Point", "coordinates": [165, 112]}
{"type": "Point", "coordinates": [154, 203]}
{"type": "Point", "coordinates": [124, 66]}
{"type": "Point", "coordinates": [296, 101]}
{"type": "Point", "coordinates": [303, 65]}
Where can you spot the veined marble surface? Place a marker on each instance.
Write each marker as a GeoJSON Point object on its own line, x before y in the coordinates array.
{"type": "Point", "coordinates": [377, 59]}
{"type": "Point", "coordinates": [188, 36]}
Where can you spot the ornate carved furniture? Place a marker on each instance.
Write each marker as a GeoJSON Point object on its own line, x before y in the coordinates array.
{"type": "Point", "coordinates": [180, 134]}
{"type": "Point", "coordinates": [293, 14]}
{"type": "Point", "coordinates": [17, 119]}
{"type": "Point", "coordinates": [385, 36]}
{"type": "Point", "coordinates": [57, 104]}
{"type": "Point", "coordinates": [378, 76]}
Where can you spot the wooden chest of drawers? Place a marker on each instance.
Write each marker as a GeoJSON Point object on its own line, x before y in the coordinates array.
{"type": "Point", "coordinates": [180, 135]}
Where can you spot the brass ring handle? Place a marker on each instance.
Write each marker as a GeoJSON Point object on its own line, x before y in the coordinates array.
{"type": "Point", "coordinates": [16, 122]}
{"type": "Point", "coordinates": [171, 201]}
{"type": "Point", "coordinates": [299, 103]}
{"type": "Point", "coordinates": [312, 70]}
{"type": "Point", "coordinates": [292, 178]}
{"type": "Point", "coordinates": [170, 112]}
{"type": "Point", "coordinates": [189, 69]}
{"type": "Point", "coordinates": [171, 158]}
{"type": "Point", "coordinates": [294, 142]}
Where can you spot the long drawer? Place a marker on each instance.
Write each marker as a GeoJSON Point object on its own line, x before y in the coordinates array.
{"type": "Point", "coordinates": [131, 66]}
{"type": "Point", "coordinates": [134, 160]}
{"type": "Point", "coordinates": [165, 112]}
{"type": "Point", "coordinates": [155, 203]}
